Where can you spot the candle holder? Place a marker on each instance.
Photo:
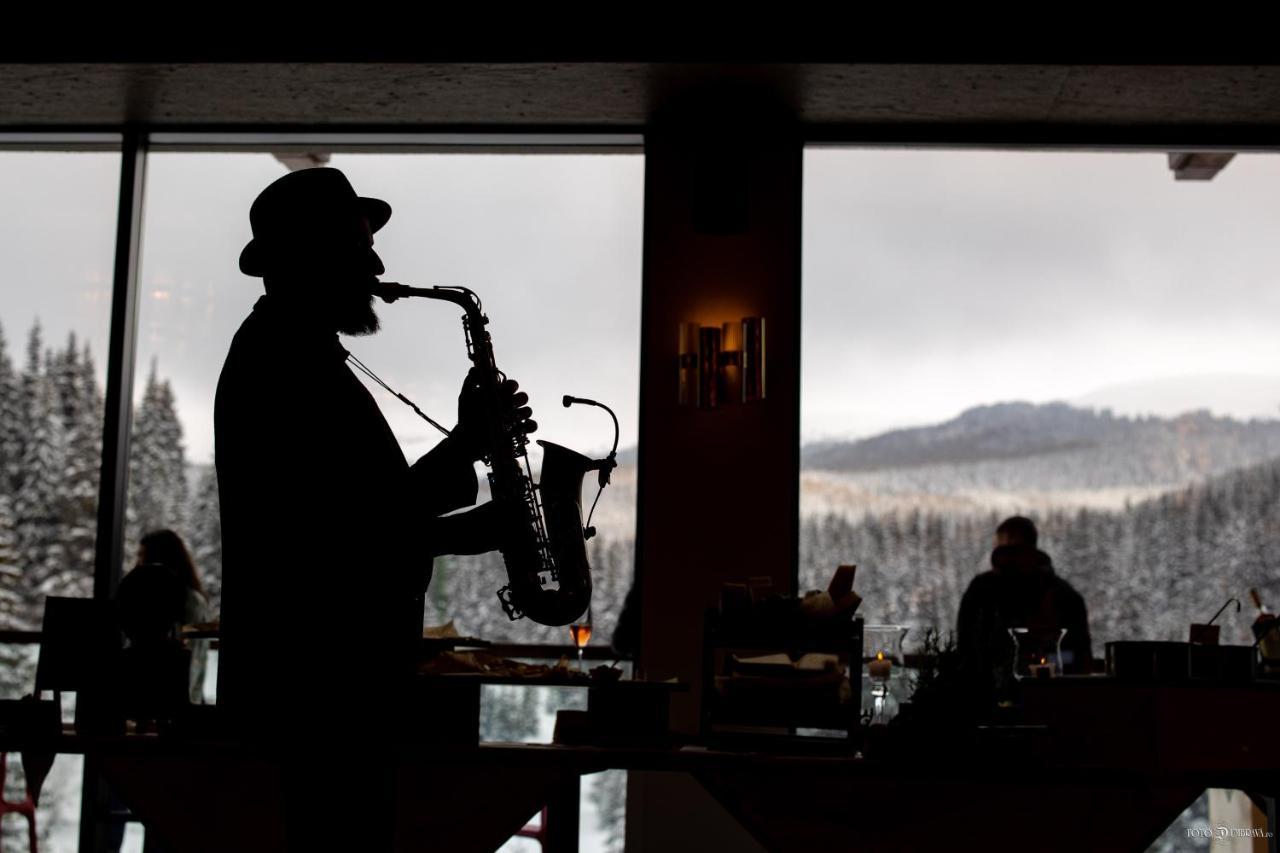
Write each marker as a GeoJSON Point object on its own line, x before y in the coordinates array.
{"type": "Point", "coordinates": [882, 656]}
{"type": "Point", "coordinates": [1037, 653]}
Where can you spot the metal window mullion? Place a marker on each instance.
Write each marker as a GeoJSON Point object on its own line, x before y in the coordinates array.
{"type": "Point", "coordinates": [114, 481]}
{"type": "Point", "coordinates": [120, 361]}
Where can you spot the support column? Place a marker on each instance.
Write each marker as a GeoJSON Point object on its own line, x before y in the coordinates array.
{"type": "Point", "coordinates": [719, 488]}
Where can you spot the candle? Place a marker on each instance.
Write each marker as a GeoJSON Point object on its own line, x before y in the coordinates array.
{"type": "Point", "coordinates": [1043, 669]}
{"type": "Point", "coordinates": [880, 667]}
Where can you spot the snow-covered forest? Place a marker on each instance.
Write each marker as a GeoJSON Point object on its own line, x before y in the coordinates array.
{"type": "Point", "coordinates": [1156, 521]}
{"type": "Point", "coordinates": [1146, 571]}
{"type": "Point", "coordinates": [50, 453]}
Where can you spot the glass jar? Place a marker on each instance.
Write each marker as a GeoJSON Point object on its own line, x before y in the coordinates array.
{"type": "Point", "coordinates": [882, 662]}
{"type": "Point", "coordinates": [1037, 653]}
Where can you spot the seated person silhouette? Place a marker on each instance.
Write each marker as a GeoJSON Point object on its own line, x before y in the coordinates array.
{"type": "Point", "coordinates": [1021, 590]}
{"type": "Point", "coordinates": [159, 595]}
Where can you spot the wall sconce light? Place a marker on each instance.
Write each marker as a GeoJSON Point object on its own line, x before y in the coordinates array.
{"type": "Point", "coordinates": [720, 365]}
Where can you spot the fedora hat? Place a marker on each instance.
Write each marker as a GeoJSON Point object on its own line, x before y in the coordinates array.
{"type": "Point", "coordinates": [296, 205]}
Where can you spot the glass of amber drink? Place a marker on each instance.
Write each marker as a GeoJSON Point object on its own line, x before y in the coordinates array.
{"type": "Point", "coordinates": [580, 631]}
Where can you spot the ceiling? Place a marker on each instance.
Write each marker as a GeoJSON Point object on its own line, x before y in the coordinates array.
{"type": "Point", "coordinates": [1163, 103]}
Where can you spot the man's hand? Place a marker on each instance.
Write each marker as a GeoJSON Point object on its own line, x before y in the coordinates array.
{"type": "Point", "coordinates": [473, 414]}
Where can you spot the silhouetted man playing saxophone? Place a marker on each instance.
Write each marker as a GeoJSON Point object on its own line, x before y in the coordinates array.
{"type": "Point", "coordinates": [328, 533]}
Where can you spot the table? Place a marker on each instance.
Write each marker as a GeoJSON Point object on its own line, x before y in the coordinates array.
{"type": "Point", "coordinates": [1108, 781]}
{"type": "Point", "coordinates": [213, 796]}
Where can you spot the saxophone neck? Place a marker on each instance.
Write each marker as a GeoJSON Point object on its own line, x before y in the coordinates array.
{"type": "Point", "coordinates": [390, 291]}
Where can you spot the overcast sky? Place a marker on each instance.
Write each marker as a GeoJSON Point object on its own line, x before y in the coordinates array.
{"type": "Point", "coordinates": [933, 281]}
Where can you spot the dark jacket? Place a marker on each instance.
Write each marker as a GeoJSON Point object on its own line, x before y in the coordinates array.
{"type": "Point", "coordinates": [327, 532]}
{"type": "Point", "coordinates": [1020, 590]}
{"type": "Point", "coordinates": [151, 603]}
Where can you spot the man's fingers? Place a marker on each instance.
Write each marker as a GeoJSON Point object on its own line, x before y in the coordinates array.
{"type": "Point", "coordinates": [520, 399]}
{"type": "Point", "coordinates": [527, 427]}
{"type": "Point", "coordinates": [523, 414]}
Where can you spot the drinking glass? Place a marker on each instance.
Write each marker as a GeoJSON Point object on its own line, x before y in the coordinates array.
{"type": "Point", "coordinates": [580, 631]}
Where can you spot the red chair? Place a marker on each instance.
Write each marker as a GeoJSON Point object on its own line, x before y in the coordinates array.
{"type": "Point", "coordinates": [536, 831]}
{"type": "Point", "coordinates": [25, 807]}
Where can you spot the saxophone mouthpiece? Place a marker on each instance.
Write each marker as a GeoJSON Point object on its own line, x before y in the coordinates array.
{"type": "Point", "coordinates": [569, 401]}
{"type": "Point", "coordinates": [388, 291]}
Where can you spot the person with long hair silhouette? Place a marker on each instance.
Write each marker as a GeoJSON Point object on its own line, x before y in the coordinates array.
{"type": "Point", "coordinates": [164, 556]}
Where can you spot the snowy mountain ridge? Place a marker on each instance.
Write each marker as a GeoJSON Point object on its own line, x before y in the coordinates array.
{"type": "Point", "coordinates": [1151, 450]}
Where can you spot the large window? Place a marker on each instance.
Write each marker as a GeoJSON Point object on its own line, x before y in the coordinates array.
{"type": "Point", "coordinates": [57, 232]}
{"type": "Point", "coordinates": [1076, 337]}
{"type": "Point", "coordinates": [550, 242]}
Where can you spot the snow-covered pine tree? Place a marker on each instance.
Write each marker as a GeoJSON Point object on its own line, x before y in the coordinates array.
{"type": "Point", "coordinates": [16, 668]}
{"type": "Point", "coordinates": [11, 420]}
{"type": "Point", "coordinates": [177, 486]}
{"type": "Point", "coordinates": [16, 613]}
{"type": "Point", "coordinates": [28, 381]}
{"type": "Point", "coordinates": [206, 536]}
{"type": "Point", "coordinates": [17, 662]}
{"type": "Point", "coordinates": [38, 531]}
{"type": "Point", "coordinates": [77, 397]}
{"type": "Point", "coordinates": [158, 490]}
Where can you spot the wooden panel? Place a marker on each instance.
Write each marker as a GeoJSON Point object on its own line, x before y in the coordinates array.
{"type": "Point", "coordinates": [718, 488]}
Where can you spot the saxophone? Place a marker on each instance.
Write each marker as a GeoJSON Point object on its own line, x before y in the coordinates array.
{"type": "Point", "coordinates": [543, 541]}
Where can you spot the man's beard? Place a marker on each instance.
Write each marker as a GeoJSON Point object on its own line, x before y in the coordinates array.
{"type": "Point", "coordinates": [358, 319]}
